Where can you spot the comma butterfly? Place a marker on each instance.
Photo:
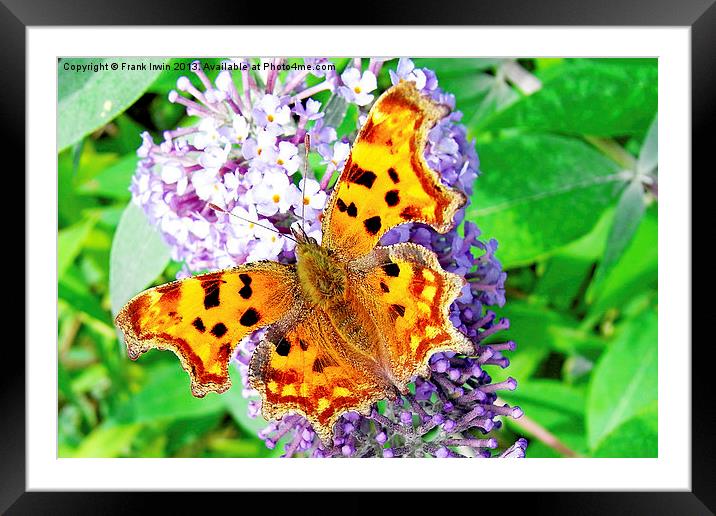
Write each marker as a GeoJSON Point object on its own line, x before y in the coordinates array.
{"type": "Point", "coordinates": [351, 321]}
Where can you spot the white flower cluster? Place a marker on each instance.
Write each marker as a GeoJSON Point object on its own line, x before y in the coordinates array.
{"type": "Point", "coordinates": [244, 155]}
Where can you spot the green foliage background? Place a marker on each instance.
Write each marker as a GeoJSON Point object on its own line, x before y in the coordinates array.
{"type": "Point", "coordinates": [577, 234]}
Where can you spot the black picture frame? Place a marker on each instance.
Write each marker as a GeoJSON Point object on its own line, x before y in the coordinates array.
{"type": "Point", "coordinates": [700, 15]}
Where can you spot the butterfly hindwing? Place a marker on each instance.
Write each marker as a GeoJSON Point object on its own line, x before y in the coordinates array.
{"type": "Point", "coordinates": [202, 319]}
{"type": "Point", "coordinates": [386, 180]}
{"type": "Point", "coordinates": [309, 369]}
{"type": "Point", "coordinates": [408, 295]}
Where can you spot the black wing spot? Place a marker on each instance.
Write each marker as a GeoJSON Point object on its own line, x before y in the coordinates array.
{"type": "Point", "coordinates": [341, 205]}
{"type": "Point", "coordinates": [372, 225]}
{"type": "Point", "coordinates": [245, 292]}
{"type": "Point", "coordinates": [398, 309]}
{"type": "Point", "coordinates": [384, 287]}
{"type": "Point", "coordinates": [393, 175]}
{"type": "Point", "coordinates": [199, 324]}
{"type": "Point", "coordinates": [219, 330]}
{"type": "Point", "coordinates": [283, 347]}
{"type": "Point", "coordinates": [352, 210]}
{"type": "Point", "coordinates": [303, 344]}
{"type": "Point", "coordinates": [392, 198]}
{"type": "Point", "coordinates": [250, 317]}
{"type": "Point", "coordinates": [392, 269]}
{"type": "Point", "coordinates": [366, 178]}
{"type": "Point", "coordinates": [245, 279]}
{"type": "Point", "coordinates": [211, 293]}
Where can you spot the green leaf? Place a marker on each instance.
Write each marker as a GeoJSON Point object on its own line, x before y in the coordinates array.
{"type": "Point", "coordinates": [649, 153]}
{"type": "Point", "coordinates": [77, 295]}
{"type": "Point", "coordinates": [625, 379]}
{"type": "Point", "coordinates": [627, 217]}
{"type": "Point", "coordinates": [126, 136]}
{"type": "Point", "coordinates": [70, 241]}
{"type": "Point", "coordinates": [635, 272]}
{"type": "Point", "coordinates": [638, 437]}
{"type": "Point", "coordinates": [550, 402]}
{"type": "Point", "coordinates": [112, 182]}
{"type": "Point", "coordinates": [536, 331]}
{"type": "Point", "coordinates": [166, 395]}
{"type": "Point", "coordinates": [88, 100]}
{"type": "Point", "coordinates": [539, 192]}
{"type": "Point", "coordinates": [566, 271]}
{"type": "Point", "coordinates": [185, 432]}
{"type": "Point", "coordinates": [587, 97]}
{"type": "Point", "coordinates": [108, 440]}
{"type": "Point", "coordinates": [138, 256]}
{"type": "Point", "coordinates": [238, 406]}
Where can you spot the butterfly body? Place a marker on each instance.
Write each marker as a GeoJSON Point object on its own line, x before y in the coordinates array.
{"type": "Point", "coordinates": [351, 322]}
{"type": "Point", "coordinates": [322, 277]}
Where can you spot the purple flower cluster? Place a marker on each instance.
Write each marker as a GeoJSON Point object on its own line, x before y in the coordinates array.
{"type": "Point", "coordinates": [241, 156]}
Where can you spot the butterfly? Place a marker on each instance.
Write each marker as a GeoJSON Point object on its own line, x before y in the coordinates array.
{"type": "Point", "coordinates": [351, 322]}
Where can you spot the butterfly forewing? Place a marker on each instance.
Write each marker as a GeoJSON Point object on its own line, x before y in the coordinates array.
{"type": "Point", "coordinates": [386, 180]}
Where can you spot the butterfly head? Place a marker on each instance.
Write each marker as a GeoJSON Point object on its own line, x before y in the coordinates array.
{"type": "Point", "coordinates": [301, 237]}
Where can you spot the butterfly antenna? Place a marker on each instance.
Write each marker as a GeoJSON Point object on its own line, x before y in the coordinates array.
{"type": "Point", "coordinates": [222, 210]}
{"type": "Point", "coordinates": [307, 145]}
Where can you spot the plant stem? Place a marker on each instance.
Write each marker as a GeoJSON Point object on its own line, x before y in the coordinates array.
{"type": "Point", "coordinates": [527, 82]}
{"type": "Point", "coordinates": [544, 435]}
{"type": "Point", "coordinates": [614, 151]}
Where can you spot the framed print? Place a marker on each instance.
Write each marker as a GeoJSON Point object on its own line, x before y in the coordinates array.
{"type": "Point", "coordinates": [427, 244]}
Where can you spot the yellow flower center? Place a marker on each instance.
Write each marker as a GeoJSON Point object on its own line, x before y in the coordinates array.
{"type": "Point", "coordinates": [357, 89]}
{"type": "Point", "coordinates": [280, 161]}
{"type": "Point", "coordinates": [276, 197]}
{"type": "Point", "coordinates": [306, 200]}
{"type": "Point", "coordinates": [270, 118]}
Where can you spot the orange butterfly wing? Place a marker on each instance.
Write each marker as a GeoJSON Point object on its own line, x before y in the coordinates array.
{"type": "Point", "coordinates": [311, 369]}
{"type": "Point", "coordinates": [202, 319]}
{"type": "Point", "coordinates": [386, 180]}
{"type": "Point", "coordinates": [408, 296]}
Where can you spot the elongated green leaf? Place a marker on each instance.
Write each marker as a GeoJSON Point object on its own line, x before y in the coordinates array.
{"type": "Point", "coordinates": [625, 379]}
{"type": "Point", "coordinates": [634, 273]}
{"type": "Point", "coordinates": [113, 182]}
{"type": "Point", "coordinates": [548, 401]}
{"type": "Point", "coordinates": [649, 153]}
{"type": "Point", "coordinates": [89, 99]}
{"type": "Point", "coordinates": [566, 271]}
{"type": "Point", "coordinates": [78, 296]}
{"type": "Point", "coordinates": [539, 192]}
{"type": "Point", "coordinates": [70, 241]}
{"type": "Point", "coordinates": [138, 256]}
{"type": "Point", "coordinates": [627, 217]}
{"type": "Point", "coordinates": [537, 331]}
{"type": "Point", "coordinates": [166, 395]}
{"type": "Point", "coordinates": [637, 437]}
{"type": "Point", "coordinates": [108, 440]}
{"type": "Point", "coordinates": [587, 97]}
